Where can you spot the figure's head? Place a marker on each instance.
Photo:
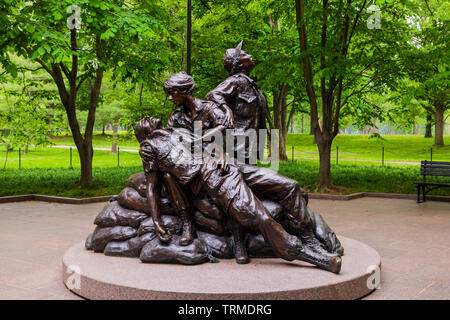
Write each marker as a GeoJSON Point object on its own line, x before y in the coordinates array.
{"type": "Point", "coordinates": [236, 60]}
{"type": "Point", "coordinates": [145, 127]}
{"type": "Point", "coordinates": [178, 87]}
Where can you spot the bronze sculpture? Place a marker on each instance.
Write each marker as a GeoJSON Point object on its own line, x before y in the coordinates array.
{"type": "Point", "coordinates": [248, 104]}
{"type": "Point", "coordinates": [300, 233]}
{"type": "Point", "coordinates": [241, 94]}
{"type": "Point", "coordinates": [233, 195]}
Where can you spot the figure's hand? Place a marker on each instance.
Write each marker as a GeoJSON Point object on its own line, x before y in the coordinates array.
{"type": "Point", "coordinates": [145, 154]}
{"type": "Point", "coordinates": [223, 165]}
{"type": "Point", "coordinates": [219, 162]}
{"type": "Point", "coordinates": [228, 118]}
{"type": "Point", "coordinates": [163, 234]}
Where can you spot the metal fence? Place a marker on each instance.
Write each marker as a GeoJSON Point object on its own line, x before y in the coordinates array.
{"type": "Point", "coordinates": [68, 157]}
{"type": "Point", "coordinates": [381, 156]}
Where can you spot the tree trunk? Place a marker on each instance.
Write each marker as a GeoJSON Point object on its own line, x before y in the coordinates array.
{"type": "Point", "coordinates": [301, 127]}
{"type": "Point", "coordinates": [292, 124]}
{"type": "Point", "coordinates": [324, 169]}
{"type": "Point", "coordinates": [115, 136]}
{"type": "Point", "coordinates": [374, 128]}
{"type": "Point", "coordinates": [428, 133]}
{"type": "Point", "coordinates": [320, 127]}
{"type": "Point", "coordinates": [86, 156]}
{"type": "Point", "coordinates": [25, 150]}
{"type": "Point", "coordinates": [280, 117]}
{"type": "Point", "coordinates": [439, 125]}
{"type": "Point", "coordinates": [6, 157]}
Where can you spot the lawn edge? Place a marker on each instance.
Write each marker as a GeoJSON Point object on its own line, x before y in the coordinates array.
{"type": "Point", "coordinates": [39, 197]}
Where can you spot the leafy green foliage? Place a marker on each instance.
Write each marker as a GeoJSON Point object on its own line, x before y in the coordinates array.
{"type": "Point", "coordinates": [26, 121]}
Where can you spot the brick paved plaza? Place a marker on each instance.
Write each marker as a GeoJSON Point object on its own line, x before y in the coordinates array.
{"type": "Point", "coordinates": [411, 238]}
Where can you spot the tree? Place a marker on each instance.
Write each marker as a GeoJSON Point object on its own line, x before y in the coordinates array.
{"type": "Point", "coordinates": [426, 60]}
{"type": "Point", "coordinates": [78, 43]}
{"type": "Point", "coordinates": [25, 121]}
{"type": "Point", "coordinates": [342, 59]}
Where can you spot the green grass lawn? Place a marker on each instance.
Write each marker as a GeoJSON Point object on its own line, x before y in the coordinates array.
{"type": "Point", "coordinates": [102, 141]}
{"type": "Point", "coordinates": [62, 181]}
{"type": "Point", "coordinates": [41, 157]}
{"type": "Point", "coordinates": [47, 170]}
{"type": "Point", "coordinates": [396, 147]}
{"type": "Point", "coordinates": [108, 181]}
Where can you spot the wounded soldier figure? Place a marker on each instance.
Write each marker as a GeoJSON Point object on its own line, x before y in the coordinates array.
{"type": "Point", "coordinates": [237, 192]}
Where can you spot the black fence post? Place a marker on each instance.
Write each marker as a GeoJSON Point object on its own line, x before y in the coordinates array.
{"type": "Point", "coordinates": [431, 154]}
{"type": "Point", "coordinates": [20, 158]}
{"type": "Point", "coordinates": [292, 153]}
{"type": "Point", "coordinates": [71, 158]}
{"type": "Point", "coordinates": [382, 158]}
{"type": "Point", "coordinates": [337, 154]}
{"type": "Point", "coordinates": [118, 157]}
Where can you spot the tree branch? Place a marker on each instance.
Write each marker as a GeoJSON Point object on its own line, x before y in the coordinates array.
{"type": "Point", "coordinates": [65, 70]}
{"type": "Point", "coordinates": [355, 22]}
{"type": "Point", "coordinates": [83, 77]}
{"type": "Point", "coordinates": [306, 63]}
{"type": "Point", "coordinates": [358, 91]}
{"type": "Point", "coordinates": [323, 42]}
{"type": "Point", "coordinates": [59, 80]}
{"type": "Point", "coordinates": [29, 69]}
{"type": "Point", "coordinates": [93, 101]}
{"type": "Point", "coordinates": [428, 7]}
{"type": "Point", "coordinates": [73, 45]}
{"type": "Point", "coordinates": [50, 72]}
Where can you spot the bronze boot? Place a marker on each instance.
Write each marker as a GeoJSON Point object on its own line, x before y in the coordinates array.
{"type": "Point", "coordinates": [188, 228]}
{"type": "Point", "coordinates": [240, 252]}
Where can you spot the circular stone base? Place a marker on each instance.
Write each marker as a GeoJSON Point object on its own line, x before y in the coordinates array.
{"type": "Point", "coordinates": [96, 276]}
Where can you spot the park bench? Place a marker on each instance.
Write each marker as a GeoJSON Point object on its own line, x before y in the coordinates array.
{"type": "Point", "coordinates": [432, 168]}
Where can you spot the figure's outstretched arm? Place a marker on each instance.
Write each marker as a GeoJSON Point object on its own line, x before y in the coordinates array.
{"type": "Point", "coordinates": [152, 178]}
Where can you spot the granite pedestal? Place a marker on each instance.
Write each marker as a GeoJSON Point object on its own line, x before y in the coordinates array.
{"type": "Point", "coordinates": [95, 276]}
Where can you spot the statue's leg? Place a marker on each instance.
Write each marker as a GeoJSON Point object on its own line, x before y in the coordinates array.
{"type": "Point", "coordinates": [268, 184]}
{"type": "Point", "coordinates": [131, 199]}
{"type": "Point", "coordinates": [179, 200]}
{"type": "Point", "coordinates": [232, 195]}
{"type": "Point", "coordinates": [202, 203]}
{"type": "Point", "coordinates": [210, 210]}
{"type": "Point", "coordinates": [240, 252]}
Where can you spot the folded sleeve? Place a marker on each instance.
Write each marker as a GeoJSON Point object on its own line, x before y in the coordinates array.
{"type": "Point", "coordinates": [148, 158]}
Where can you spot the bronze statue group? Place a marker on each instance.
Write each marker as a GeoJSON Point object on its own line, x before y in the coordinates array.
{"type": "Point", "coordinates": [190, 211]}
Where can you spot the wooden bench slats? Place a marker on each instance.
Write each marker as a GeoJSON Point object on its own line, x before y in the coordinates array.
{"type": "Point", "coordinates": [432, 168]}
{"type": "Point", "coordinates": [435, 167]}
{"type": "Point", "coordinates": [437, 174]}
{"type": "Point", "coordinates": [426, 162]}
{"type": "Point", "coordinates": [433, 183]}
